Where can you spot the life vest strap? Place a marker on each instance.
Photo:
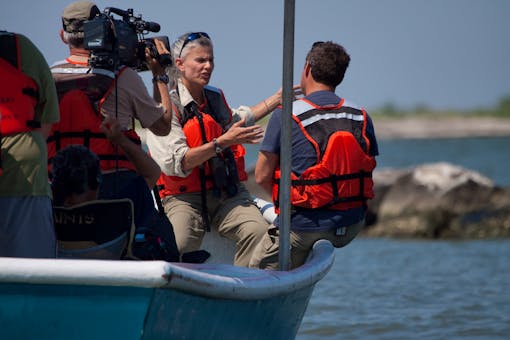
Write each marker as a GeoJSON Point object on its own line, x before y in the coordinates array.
{"type": "Point", "coordinates": [112, 157]}
{"type": "Point", "coordinates": [33, 124]}
{"type": "Point", "coordinates": [1, 166]}
{"type": "Point", "coordinates": [31, 92]}
{"type": "Point", "coordinates": [205, 213]}
{"type": "Point", "coordinates": [332, 178]}
{"type": "Point", "coordinates": [103, 157]}
{"type": "Point", "coordinates": [333, 203]}
{"type": "Point", "coordinates": [85, 134]}
{"type": "Point", "coordinates": [9, 48]}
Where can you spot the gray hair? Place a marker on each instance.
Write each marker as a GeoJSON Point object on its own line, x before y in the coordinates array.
{"type": "Point", "coordinates": [179, 52]}
{"type": "Point", "coordinates": [74, 39]}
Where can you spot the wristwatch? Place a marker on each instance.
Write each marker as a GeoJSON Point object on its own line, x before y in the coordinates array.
{"type": "Point", "coordinates": [162, 78]}
{"type": "Point", "coordinates": [217, 147]}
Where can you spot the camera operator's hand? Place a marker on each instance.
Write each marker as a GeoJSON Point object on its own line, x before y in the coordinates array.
{"type": "Point", "coordinates": [153, 62]}
{"type": "Point", "coordinates": [160, 46]}
{"type": "Point", "coordinates": [160, 88]}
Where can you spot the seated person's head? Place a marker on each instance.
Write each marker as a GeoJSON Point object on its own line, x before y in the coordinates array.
{"type": "Point", "coordinates": [76, 176]}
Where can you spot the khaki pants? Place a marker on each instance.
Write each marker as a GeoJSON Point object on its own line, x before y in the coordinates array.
{"type": "Point", "coordinates": [301, 242]}
{"type": "Point", "coordinates": [236, 218]}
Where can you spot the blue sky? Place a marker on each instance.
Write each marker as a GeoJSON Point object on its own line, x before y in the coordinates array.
{"type": "Point", "coordinates": [445, 54]}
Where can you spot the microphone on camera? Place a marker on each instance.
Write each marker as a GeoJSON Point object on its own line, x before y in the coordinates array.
{"type": "Point", "coordinates": [150, 26]}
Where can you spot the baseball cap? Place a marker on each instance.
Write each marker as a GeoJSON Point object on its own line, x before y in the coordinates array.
{"type": "Point", "coordinates": [76, 13]}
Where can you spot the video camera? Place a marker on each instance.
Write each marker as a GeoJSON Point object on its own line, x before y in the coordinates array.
{"type": "Point", "coordinates": [113, 42]}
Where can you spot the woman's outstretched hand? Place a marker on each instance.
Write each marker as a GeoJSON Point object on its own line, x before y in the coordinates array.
{"type": "Point", "coordinates": [240, 134]}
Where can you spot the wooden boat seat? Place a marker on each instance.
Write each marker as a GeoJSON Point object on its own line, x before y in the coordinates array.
{"type": "Point", "coordinates": [100, 229]}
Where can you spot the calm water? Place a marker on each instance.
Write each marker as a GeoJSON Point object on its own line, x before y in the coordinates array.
{"type": "Point", "coordinates": [401, 289]}
{"type": "Point", "coordinates": [389, 289]}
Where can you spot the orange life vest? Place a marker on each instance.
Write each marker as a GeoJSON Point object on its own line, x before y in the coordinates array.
{"type": "Point", "coordinates": [341, 179]}
{"type": "Point", "coordinates": [18, 92]}
{"type": "Point", "coordinates": [216, 115]}
{"type": "Point", "coordinates": [81, 92]}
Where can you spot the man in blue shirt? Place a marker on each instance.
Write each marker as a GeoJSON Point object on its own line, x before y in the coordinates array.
{"type": "Point", "coordinates": [333, 155]}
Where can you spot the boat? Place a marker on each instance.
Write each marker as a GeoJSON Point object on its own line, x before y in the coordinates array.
{"type": "Point", "coordinates": [104, 299]}
{"type": "Point", "coordinates": [69, 298]}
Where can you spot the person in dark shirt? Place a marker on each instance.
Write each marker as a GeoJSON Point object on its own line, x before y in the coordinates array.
{"type": "Point", "coordinates": [77, 178]}
{"type": "Point", "coordinates": [332, 140]}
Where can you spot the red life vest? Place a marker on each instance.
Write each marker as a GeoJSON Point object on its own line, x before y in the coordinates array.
{"type": "Point", "coordinates": [18, 92]}
{"type": "Point", "coordinates": [341, 179]}
{"type": "Point", "coordinates": [81, 92]}
{"type": "Point", "coordinates": [216, 115]}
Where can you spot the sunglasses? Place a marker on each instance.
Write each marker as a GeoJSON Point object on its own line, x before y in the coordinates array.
{"type": "Point", "coordinates": [191, 37]}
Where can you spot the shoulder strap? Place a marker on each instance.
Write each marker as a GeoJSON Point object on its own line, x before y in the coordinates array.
{"type": "Point", "coordinates": [218, 106]}
{"type": "Point", "coordinates": [192, 107]}
{"type": "Point", "coordinates": [9, 48]}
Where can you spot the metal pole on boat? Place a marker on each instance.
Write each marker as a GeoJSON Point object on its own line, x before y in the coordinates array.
{"type": "Point", "coordinates": [286, 136]}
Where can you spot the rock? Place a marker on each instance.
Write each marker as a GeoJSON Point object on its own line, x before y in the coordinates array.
{"type": "Point", "coordinates": [438, 200]}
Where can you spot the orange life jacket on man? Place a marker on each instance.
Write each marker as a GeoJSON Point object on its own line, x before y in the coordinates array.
{"type": "Point", "coordinates": [81, 92]}
{"type": "Point", "coordinates": [216, 115]}
{"type": "Point", "coordinates": [341, 179]}
{"type": "Point", "coordinates": [18, 92]}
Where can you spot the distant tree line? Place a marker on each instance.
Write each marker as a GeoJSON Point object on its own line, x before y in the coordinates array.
{"type": "Point", "coordinates": [502, 109]}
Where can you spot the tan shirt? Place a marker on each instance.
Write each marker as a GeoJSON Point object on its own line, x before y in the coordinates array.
{"type": "Point", "coordinates": [134, 102]}
{"type": "Point", "coordinates": [169, 151]}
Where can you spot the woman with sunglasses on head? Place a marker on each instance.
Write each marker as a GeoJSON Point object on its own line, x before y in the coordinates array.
{"type": "Point", "coordinates": [202, 159]}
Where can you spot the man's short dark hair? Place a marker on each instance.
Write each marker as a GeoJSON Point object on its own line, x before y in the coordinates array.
{"type": "Point", "coordinates": [328, 62]}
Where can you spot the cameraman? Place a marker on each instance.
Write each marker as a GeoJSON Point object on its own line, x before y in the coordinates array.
{"type": "Point", "coordinates": [119, 94]}
{"type": "Point", "coordinates": [88, 95]}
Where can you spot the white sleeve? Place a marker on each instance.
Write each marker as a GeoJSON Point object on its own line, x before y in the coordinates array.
{"type": "Point", "coordinates": [168, 151]}
{"type": "Point", "coordinates": [243, 112]}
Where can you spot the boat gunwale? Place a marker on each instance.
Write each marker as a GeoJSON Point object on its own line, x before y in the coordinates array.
{"type": "Point", "coordinates": [212, 280]}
